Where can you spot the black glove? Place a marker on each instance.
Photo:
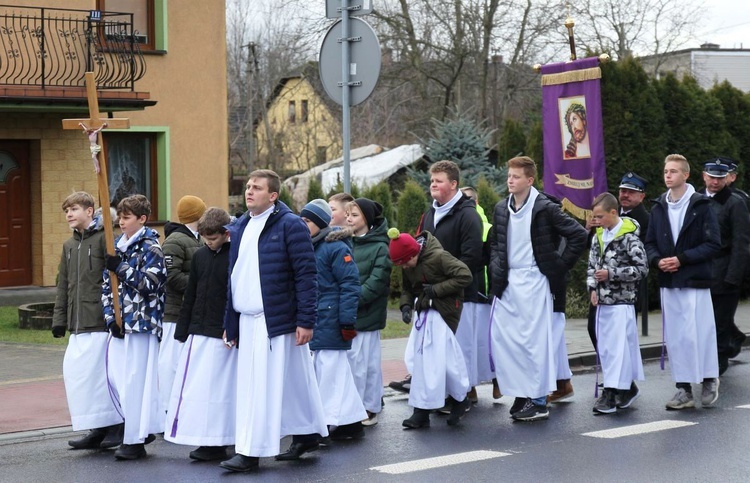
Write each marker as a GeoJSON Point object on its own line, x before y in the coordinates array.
{"type": "Point", "coordinates": [58, 331]}
{"type": "Point", "coordinates": [348, 332]}
{"type": "Point", "coordinates": [406, 314]}
{"type": "Point", "coordinates": [112, 262]}
{"type": "Point", "coordinates": [115, 331]}
{"type": "Point", "coordinates": [429, 293]}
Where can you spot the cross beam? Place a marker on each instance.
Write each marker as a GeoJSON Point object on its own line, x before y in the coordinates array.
{"type": "Point", "coordinates": [93, 127]}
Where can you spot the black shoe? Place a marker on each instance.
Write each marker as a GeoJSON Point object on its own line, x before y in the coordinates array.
{"type": "Point", "coordinates": [240, 463]}
{"type": "Point", "coordinates": [531, 412]}
{"type": "Point", "coordinates": [296, 450]}
{"type": "Point", "coordinates": [403, 386]}
{"type": "Point", "coordinates": [419, 419]}
{"type": "Point", "coordinates": [348, 432]}
{"type": "Point", "coordinates": [628, 396]}
{"type": "Point", "coordinates": [91, 441]}
{"type": "Point", "coordinates": [130, 452]}
{"type": "Point", "coordinates": [209, 453]}
{"type": "Point", "coordinates": [382, 403]}
{"type": "Point", "coordinates": [114, 436]}
{"type": "Point", "coordinates": [518, 404]}
{"type": "Point", "coordinates": [735, 346]}
{"type": "Point", "coordinates": [458, 410]}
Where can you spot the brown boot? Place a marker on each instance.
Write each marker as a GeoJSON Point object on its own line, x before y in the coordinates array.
{"type": "Point", "coordinates": [496, 394]}
{"type": "Point", "coordinates": [564, 391]}
{"type": "Point", "coordinates": [472, 395]}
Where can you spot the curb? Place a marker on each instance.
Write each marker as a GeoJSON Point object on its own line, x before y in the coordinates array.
{"type": "Point", "coordinates": [36, 433]}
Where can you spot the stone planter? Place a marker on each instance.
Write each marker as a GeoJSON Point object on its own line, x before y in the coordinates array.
{"type": "Point", "coordinates": [35, 316]}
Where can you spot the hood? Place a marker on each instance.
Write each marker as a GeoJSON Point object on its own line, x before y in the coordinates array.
{"type": "Point", "coordinates": [97, 224]}
{"type": "Point", "coordinates": [172, 227]}
{"type": "Point", "coordinates": [629, 225]}
{"type": "Point", "coordinates": [378, 234]}
{"type": "Point", "coordinates": [431, 246]}
{"type": "Point", "coordinates": [343, 234]}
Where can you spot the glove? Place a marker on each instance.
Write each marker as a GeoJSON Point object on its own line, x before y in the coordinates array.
{"type": "Point", "coordinates": [58, 331]}
{"type": "Point", "coordinates": [112, 262]}
{"type": "Point", "coordinates": [348, 332]}
{"type": "Point", "coordinates": [115, 331]}
{"type": "Point", "coordinates": [429, 293]}
{"type": "Point", "coordinates": [406, 314]}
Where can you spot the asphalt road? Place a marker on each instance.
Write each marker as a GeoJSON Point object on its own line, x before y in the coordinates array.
{"type": "Point", "coordinates": [690, 445]}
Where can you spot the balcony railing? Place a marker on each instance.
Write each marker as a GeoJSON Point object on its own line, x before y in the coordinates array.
{"type": "Point", "coordinates": [47, 47]}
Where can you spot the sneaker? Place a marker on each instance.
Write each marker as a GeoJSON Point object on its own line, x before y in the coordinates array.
{"type": "Point", "coordinates": [518, 404]}
{"type": "Point", "coordinates": [607, 403]}
{"type": "Point", "coordinates": [564, 391]}
{"type": "Point", "coordinates": [403, 386]}
{"type": "Point", "coordinates": [531, 412]}
{"type": "Point", "coordinates": [681, 400]}
{"type": "Point", "coordinates": [449, 404]}
{"type": "Point", "coordinates": [710, 392]}
{"type": "Point", "coordinates": [628, 396]}
{"type": "Point", "coordinates": [372, 419]}
{"type": "Point", "coordinates": [458, 411]}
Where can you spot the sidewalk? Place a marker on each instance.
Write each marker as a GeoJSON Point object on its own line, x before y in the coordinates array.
{"type": "Point", "coordinates": [32, 395]}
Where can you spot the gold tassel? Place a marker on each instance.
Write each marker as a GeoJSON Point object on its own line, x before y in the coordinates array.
{"type": "Point", "coordinates": [572, 76]}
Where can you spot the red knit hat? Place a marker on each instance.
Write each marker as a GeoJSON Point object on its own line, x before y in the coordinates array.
{"type": "Point", "coordinates": [403, 247]}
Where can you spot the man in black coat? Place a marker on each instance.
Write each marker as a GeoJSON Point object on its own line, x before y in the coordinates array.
{"type": "Point", "coordinates": [729, 266]}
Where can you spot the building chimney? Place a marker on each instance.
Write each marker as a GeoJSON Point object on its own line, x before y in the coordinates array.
{"type": "Point", "coordinates": [709, 45]}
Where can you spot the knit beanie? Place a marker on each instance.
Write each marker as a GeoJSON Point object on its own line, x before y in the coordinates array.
{"type": "Point", "coordinates": [371, 210]}
{"type": "Point", "coordinates": [318, 212]}
{"type": "Point", "coordinates": [403, 247]}
{"type": "Point", "coordinates": [190, 208]}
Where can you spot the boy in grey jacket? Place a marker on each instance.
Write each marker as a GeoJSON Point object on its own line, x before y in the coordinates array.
{"type": "Point", "coordinates": [617, 263]}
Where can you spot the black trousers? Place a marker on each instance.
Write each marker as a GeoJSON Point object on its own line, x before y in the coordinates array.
{"type": "Point", "coordinates": [725, 306]}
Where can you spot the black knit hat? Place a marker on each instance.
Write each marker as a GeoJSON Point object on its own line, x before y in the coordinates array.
{"type": "Point", "coordinates": [372, 210]}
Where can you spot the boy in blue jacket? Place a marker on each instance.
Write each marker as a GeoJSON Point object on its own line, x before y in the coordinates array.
{"type": "Point", "coordinates": [338, 296]}
{"type": "Point", "coordinates": [139, 265]}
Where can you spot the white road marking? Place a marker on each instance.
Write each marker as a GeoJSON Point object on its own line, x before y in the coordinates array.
{"type": "Point", "coordinates": [438, 462]}
{"type": "Point", "coordinates": [639, 429]}
{"type": "Point", "coordinates": [745, 406]}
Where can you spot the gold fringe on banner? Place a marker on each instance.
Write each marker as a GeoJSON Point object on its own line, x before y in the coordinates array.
{"type": "Point", "coordinates": [572, 76]}
{"type": "Point", "coordinates": [576, 211]}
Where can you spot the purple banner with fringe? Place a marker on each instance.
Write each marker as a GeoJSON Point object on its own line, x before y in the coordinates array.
{"type": "Point", "coordinates": [574, 168]}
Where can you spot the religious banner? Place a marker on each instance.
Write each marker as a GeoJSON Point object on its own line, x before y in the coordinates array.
{"type": "Point", "coordinates": [574, 169]}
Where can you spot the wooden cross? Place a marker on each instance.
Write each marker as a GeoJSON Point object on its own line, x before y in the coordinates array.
{"type": "Point", "coordinates": [93, 127]}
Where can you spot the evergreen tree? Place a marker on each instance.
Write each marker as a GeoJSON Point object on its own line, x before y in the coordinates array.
{"type": "Point", "coordinates": [634, 125]}
{"type": "Point", "coordinates": [488, 197]}
{"type": "Point", "coordinates": [463, 141]}
{"type": "Point", "coordinates": [736, 107]}
{"type": "Point", "coordinates": [412, 202]}
{"type": "Point", "coordinates": [381, 193]}
{"type": "Point", "coordinates": [339, 188]}
{"type": "Point", "coordinates": [315, 190]}
{"type": "Point", "coordinates": [512, 141]}
{"type": "Point", "coordinates": [286, 197]}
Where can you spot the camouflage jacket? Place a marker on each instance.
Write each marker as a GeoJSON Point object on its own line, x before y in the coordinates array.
{"type": "Point", "coordinates": [624, 258]}
{"type": "Point", "coordinates": [142, 278]}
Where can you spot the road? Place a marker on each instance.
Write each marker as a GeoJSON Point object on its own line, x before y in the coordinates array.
{"type": "Point", "coordinates": [689, 445]}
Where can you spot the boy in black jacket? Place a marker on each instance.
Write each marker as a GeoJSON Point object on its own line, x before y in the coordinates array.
{"type": "Point", "coordinates": [205, 365]}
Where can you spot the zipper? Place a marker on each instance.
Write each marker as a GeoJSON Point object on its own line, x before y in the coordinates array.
{"type": "Point", "coordinates": [78, 285]}
{"type": "Point", "coordinates": [91, 267]}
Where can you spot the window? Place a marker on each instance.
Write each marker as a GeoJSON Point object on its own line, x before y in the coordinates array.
{"type": "Point", "coordinates": [132, 167]}
{"type": "Point", "coordinates": [292, 112]}
{"type": "Point", "coordinates": [303, 111]}
{"type": "Point", "coordinates": [143, 18]}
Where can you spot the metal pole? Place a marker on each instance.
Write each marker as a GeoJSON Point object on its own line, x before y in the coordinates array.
{"type": "Point", "coordinates": [345, 90]}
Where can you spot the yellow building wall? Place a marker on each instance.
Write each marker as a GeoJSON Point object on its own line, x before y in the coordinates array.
{"type": "Point", "coordinates": [300, 140]}
{"type": "Point", "coordinates": [189, 83]}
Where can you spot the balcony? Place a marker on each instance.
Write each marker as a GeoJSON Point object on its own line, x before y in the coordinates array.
{"type": "Point", "coordinates": [45, 52]}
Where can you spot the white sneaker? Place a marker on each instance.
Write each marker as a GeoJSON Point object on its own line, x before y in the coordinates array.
{"type": "Point", "coordinates": [681, 400]}
{"type": "Point", "coordinates": [371, 420]}
{"type": "Point", "coordinates": [710, 392]}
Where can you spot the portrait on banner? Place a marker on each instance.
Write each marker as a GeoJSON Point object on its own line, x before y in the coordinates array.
{"type": "Point", "coordinates": [574, 127]}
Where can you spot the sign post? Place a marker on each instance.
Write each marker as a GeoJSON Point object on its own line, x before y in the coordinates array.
{"type": "Point", "coordinates": [93, 127]}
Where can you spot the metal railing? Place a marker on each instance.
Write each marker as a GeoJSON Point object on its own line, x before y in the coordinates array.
{"type": "Point", "coordinates": [45, 47]}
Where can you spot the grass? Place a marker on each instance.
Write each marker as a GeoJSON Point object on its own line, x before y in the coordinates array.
{"type": "Point", "coordinates": [395, 329]}
{"type": "Point", "coordinates": [10, 332]}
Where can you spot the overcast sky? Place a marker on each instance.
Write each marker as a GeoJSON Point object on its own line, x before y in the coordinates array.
{"type": "Point", "coordinates": [727, 23]}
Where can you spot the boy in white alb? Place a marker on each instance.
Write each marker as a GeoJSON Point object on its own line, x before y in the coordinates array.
{"type": "Point", "coordinates": [617, 263]}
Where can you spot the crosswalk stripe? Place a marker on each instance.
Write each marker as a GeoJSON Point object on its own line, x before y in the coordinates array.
{"type": "Point", "coordinates": [744, 406]}
{"type": "Point", "coordinates": [638, 429]}
{"type": "Point", "coordinates": [438, 462]}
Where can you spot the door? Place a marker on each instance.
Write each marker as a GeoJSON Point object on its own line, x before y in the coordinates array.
{"type": "Point", "coordinates": [15, 214]}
